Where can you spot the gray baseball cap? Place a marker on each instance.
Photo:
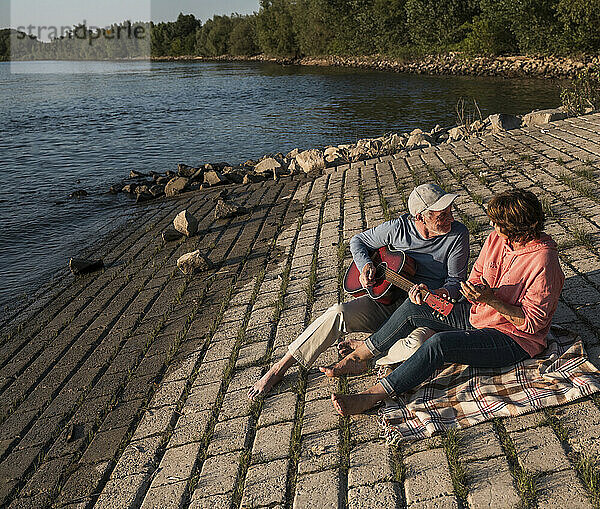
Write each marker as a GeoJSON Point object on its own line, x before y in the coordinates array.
{"type": "Point", "coordinates": [429, 197]}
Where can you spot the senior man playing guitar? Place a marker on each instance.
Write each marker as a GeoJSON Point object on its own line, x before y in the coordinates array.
{"type": "Point", "coordinates": [438, 248]}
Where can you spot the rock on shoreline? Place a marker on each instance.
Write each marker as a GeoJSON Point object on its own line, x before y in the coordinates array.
{"type": "Point", "coordinates": [313, 161]}
{"type": "Point", "coordinates": [453, 63]}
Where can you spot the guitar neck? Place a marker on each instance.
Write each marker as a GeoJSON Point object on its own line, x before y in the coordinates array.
{"type": "Point", "coordinates": [398, 280]}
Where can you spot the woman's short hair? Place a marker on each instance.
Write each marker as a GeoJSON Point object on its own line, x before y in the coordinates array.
{"type": "Point", "coordinates": [518, 214]}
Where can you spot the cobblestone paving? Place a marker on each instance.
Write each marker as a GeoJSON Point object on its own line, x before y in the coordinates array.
{"type": "Point", "coordinates": [127, 388]}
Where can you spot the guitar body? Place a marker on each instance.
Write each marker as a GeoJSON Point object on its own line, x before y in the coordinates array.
{"type": "Point", "coordinates": [390, 266]}
{"type": "Point", "coordinates": [383, 258]}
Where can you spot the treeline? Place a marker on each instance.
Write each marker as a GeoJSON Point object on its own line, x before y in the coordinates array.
{"type": "Point", "coordinates": [395, 28]}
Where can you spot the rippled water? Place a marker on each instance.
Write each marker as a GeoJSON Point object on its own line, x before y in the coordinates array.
{"type": "Point", "coordinates": [71, 125]}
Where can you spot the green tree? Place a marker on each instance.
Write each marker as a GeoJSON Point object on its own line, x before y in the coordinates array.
{"type": "Point", "coordinates": [242, 38]}
{"type": "Point", "coordinates": [439, 24]}
{"type": "Point", "coordinates": [581, 25]}
{"type": "Point", "coordinates": [275, 29]}
{"type": "Point", "coordinates": [490, 32]}
{"type": "Point", "coordinates": [535, 25]}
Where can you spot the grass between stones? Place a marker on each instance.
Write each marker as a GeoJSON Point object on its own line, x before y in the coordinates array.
{"type": "Point", "coordinates": [170, 354]}
{"type": "Point", "coordinates": [582, 188]}
{"type": "Point", "coordinates": [54, 435]}
{"type": "Point", "coordinates": [451, 445]}
{"type": "Point", "coordinates": [586, 465]}
{"type": "Point", "coordinates": [526, 482]}
{"type": "Point", "coordinates": [296, 440]}
{"type": "Point", "coordinates": [345, 441]}
{"type": "Point", "coordinates": [387, 214]}
{"type": "Point", "coordinates": [228, 373]}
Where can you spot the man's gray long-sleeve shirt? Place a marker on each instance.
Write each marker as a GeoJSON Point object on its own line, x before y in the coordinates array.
{"type": "Point", "coordinates": [441, 261]}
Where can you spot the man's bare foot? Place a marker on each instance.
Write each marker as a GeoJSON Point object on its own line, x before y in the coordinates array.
{"type": "Point", "coordinates": [347, 366]}
{"type": "Point", "coordinates": [271, 377]}
{"type": "Point", "coordinates": [347, 346]}
{"type": "Point", "coordinates": [352, 404]}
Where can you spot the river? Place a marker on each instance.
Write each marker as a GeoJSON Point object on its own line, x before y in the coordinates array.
{"type": "Point", "coordinates": [85, 125]}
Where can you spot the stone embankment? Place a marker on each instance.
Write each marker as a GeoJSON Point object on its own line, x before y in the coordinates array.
{"type": "Point", "coordinates": [186, 178]}
{"type": "Point", "coordinates": [127, 387]}
{"type": "Point", "coordinates": [453, 63]}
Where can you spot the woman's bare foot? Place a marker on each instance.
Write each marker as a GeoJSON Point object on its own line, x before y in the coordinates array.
{"type": "Point", "coordinates": [271, 377]}
{"type": "Point", "coordinates": [347, 346]}
{"type": "Point", "coordinates": [352, 404]}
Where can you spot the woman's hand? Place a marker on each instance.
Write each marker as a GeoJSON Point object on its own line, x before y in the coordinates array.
{"type": "Point", "coordinates": [485, 295]}
{"type": "Point", "coordinates": [414, 294]}
{"type": "Point", "coordinates": [481, 293]}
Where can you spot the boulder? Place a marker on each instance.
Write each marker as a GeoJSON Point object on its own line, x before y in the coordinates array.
{"type": "Point", "coordinates": [236, 176]}
{"type": "Point", "coordinates": [395, 141]}
{"type": "Point", "coordinates": [142, 189]}
{"type": "Point", "coordinates": [190, 263]}
{"type": "Point", "coordinates": [183, 170]}
{"type": "Point", "coordinates": [143, 196]}
{"type": "Point", "coordinates": [268, 165]}
{"type": "Point", "coordinates": [293, 167]}
{"type": "Point", "coordinates": [198, 175]}
{"type": "Point", "coordinates": [171, 234]}
{"type": "Point", "coordinates": [129, 188]}
{"type": "Point", "coordinates": [457, 133]}
{"type": "Point", "coordinates": [416, 140]}
{"type": "Point", "coordinates": [220, 165]}
{"type": "Point", "coordinates": [335, 157]}
{"type": "Point", "coordinates": [252, 178]}
{"type": "Point", "coordinates": [357, 153]}
{"type": "Point", "coordinates": [80, 193]}
{"type": "Point", "coordinates": [84, 266]}
{"type": "Point", "coordinates": [542, 117]}
{"type": "Point", "coordinates": [311, 160]}
{"type": "Point", "coordinates": [176, 186]}
{"type": "Point", "coordinates": [186, 223]}
{"type": "Point", "coordinates": [292, 154]}
{"type": "Point", "coordinates": [162, 181]}
{"type": "Point", "coordinates": [117, 188]}
{"type": "Point", "coordinates": [477, 125]}
{"type": "Point", "coordinates": [136, 174]}
{"type": "Point", "coordinates": [214, 178]}
{"type": "Point", "coordinates": [224, 209]}
{"type": "Point", "coordinates": [157, 190]}
{"type": "Point", "coordinates": [504, 122]}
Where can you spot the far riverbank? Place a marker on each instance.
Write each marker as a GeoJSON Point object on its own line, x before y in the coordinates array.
{"type": "Point", "coordinates": [455, 64]}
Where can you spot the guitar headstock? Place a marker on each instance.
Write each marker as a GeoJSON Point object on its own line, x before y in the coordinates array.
{"type": "Point", "coordinates": [441, 305]}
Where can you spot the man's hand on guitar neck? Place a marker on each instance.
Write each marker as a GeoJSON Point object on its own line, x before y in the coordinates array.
{"type": "Point", "coordinates": [415, 294]}
{"type": "Point", "coordinates": [367, 275]}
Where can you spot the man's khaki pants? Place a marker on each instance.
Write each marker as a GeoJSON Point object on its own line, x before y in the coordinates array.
{"type": "Point", "coordinates": [358, 315]}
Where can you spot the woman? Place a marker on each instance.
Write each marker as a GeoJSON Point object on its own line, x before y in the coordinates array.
{"type": "Point", "coordinates": [511, 294]}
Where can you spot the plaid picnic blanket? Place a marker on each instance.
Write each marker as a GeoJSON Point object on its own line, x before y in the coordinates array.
{"type": "Point", "coordinates": [459, 396]}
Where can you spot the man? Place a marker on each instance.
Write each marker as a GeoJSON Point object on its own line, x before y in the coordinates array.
{"type": "Point", "coordinates": [429, 234]}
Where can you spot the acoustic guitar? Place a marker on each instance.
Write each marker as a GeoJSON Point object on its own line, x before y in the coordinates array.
{"type": "Point", "coordinates": [392, 268]}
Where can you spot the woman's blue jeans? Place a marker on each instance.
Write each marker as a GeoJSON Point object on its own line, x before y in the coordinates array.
{"type": "Point", "coordinates": [455, 341]}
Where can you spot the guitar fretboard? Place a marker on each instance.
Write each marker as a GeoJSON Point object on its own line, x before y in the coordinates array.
{"type": "Point", "coordinates": [398, 280]}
